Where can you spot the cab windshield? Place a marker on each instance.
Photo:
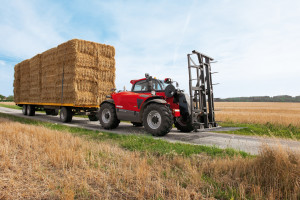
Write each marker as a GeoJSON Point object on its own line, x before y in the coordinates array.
{"type": "Point", "coordinates": [142, 86]}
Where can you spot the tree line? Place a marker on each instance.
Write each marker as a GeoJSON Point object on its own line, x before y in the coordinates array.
{"type": "Point", "coordinates": [8, 98]}
{"type": "Point", "coordinates": [280, 98]}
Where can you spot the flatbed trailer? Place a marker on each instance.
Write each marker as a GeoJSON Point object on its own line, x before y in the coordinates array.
{"type": "Point", "coordinates": [65, 111]}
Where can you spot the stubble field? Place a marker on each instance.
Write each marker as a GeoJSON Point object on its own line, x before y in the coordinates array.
{"type": "Point", "coordinates": [259, 112]}
{"type": "Point", "coordinates": [39, 163]}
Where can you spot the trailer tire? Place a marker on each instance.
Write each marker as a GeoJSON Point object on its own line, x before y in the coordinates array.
{"type": "Point", "coordinates": [137, 124]}
{"type": "Point", "coordinates": [24, 109]}
{"type": "Point", "coordinates": [108, 116]}
{"type": "Point", "coordinates": [66, 114]}
{"type": "Point", "coordinates": [183, 126]}
{"type": "Point", "coordinates": [157, 119]}
{"type": "Point", "coordinates": [93, 118]}
{"type": "Point", "coordinates": [30, 110]}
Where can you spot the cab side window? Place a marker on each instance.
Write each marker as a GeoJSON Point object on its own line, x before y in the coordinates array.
{"type": "Point", "coordinates": [156, 85]}
{"type": "Point", "coordinates": [140, 86]}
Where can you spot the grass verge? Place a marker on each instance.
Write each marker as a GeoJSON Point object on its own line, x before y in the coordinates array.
{"type": "Point", "coordinates": [134, 142]}
{"type": "Point", "coordinates": [267, 129]}
{"type": "Point", "coordinates": [10, 106]}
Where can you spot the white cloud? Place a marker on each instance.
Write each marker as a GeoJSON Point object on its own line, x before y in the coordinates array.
{"type": "Point", "coordinates": [2, 63]}
{"type": "Point", "coordinates": [256, 43]}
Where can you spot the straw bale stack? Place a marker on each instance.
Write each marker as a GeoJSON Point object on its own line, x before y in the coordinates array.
{"type": "Point", "coordinates": [24, 69]}
{"type": "Point", "coordinates": [17, 83]}
{"type": "Point", "coordinates": [35, 79]}
{"type": "Point", "coordinates": [77, 72]}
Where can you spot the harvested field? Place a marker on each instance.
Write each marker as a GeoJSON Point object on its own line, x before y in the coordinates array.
{"type": "Point", "coordinates": [259, 112]}
{"type": "Point", "coordinates": [76, 72]}
{"type": "Point", "coordinates": [8, 103]}
{"type": "Point", "coordinates": [38, 163]}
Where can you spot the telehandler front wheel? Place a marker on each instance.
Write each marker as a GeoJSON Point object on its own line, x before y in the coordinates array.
{"type": "Point", "coordinates": [184, 125]}
{"type": "Point", "coordinates": [108, 116]}
{"type": "Point", "coordinates": [157, 119]}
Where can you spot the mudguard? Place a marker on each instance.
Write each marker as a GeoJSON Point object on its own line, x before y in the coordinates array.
{"type": "Point", "coordinates": [108, 101]}
{"type": "Point", "coordinates": [156, 100]}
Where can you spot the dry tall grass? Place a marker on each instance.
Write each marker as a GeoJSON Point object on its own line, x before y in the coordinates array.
{"type": "Point", "coordinates": [259, 112]}
{"type": "Point", "coordinates": [8, 103]}
{"type": "Point", "coordinates": [38, 163]}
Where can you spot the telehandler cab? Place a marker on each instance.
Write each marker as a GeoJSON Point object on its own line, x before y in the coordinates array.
{"type": "Point", "coordinates": [157, 104]}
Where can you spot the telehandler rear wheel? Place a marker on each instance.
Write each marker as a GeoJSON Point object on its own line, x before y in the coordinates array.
{"type": "Point", "coordinates": [157, 119]}
{"type": "Point", "coordinates": [108, 117]}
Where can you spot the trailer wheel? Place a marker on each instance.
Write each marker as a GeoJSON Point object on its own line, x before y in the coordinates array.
{"type": "Point", "coordinates": [24, 109]}
{"type": "Point", "coordinates": [157, 119]}
{"type": "Point", "coordinates": [30, 110]}
{"type": "Point", "coordinates": [183, 125]}
{"type": "Point", "coordinates": [108, 117]}
{"type": "Point", "coordinates": [137, 124]}
{"type": "Point", "coordinates": [66, 114]}
{"type": "Point", "coordinates": [93, 118]}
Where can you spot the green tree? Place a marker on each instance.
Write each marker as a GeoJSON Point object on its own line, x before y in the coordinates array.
{"type": "Point", "coordinates": [2, 97]}
{"type": "Point", "coordinates": [10, 98]}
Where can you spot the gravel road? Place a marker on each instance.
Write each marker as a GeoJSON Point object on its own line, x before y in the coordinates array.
{"type": "Point", "coordinates": [250, 144]}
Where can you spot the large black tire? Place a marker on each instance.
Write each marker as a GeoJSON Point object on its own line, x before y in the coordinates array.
{"type": "Point", "coordinates": [66, 114]}
{"type": "Point", "coordinates": [30, 110]}
{"type": "Point", "coordinates": [108, 116]}
{"type": "Point", "coordinates": [48, 112]}
{"type": "Point", "coordinates": [93, 118]}
{"type": "Point", "coordinates": [183, 125]}
{"type": "Point", "coordinates": [24, 109]}
{"type": "Point", "coordinates": [157, 119]}
{"type": "Point", "coordinates": [51, 112]}
{"type": "Point", "coordinates": [137, 124]}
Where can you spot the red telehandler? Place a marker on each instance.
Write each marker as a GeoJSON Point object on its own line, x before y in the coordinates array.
{"type": "Point", "coordinates": [158, 104]}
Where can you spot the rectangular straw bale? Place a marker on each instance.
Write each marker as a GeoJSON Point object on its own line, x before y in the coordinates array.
{"type": "Point", "coordinates": [24, 80]}
{"type": "Point", "coordinates": [35, 79]}
{"type": "Point", "coordinates": [76, 72]}
{"type": "Point", "coordinates": [17, 83]}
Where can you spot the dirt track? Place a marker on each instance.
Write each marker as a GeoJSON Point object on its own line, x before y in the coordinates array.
{"type": "Point", "coordinates": [249, 144]}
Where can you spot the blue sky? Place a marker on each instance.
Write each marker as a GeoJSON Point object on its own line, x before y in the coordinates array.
{"type": "Point", "coordinates": [256, 43]}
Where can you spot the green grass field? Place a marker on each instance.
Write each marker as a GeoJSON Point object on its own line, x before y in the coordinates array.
{"type": "Point", "coordinates": [268, 129]}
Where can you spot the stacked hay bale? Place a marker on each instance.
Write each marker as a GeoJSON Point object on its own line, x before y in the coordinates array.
{"type": "Point", "coordinates": [17, 83]}
{"type": "Point", "coordinates": [77, 72]}
{"type": "Point", "coordinates": [49, 76]}
{"type": "Point", "coordinates": [35, 79]}
{"type": "Point", "coordinates": [24, 81]}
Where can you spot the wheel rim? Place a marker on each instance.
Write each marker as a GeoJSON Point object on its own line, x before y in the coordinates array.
{"type": "Point", "coordinates": [24, 109]}
{"type": "Point", "coordinates": [154, 119]}
{"type": "Point", "coordinates": [106, 115]}
{"type": "Point", "coordinates": [62, 115]}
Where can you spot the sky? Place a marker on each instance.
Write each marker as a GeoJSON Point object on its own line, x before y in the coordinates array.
{"type": "Point", "coordinates": [256, 43]}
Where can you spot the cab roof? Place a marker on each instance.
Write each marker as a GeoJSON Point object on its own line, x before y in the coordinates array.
{"type": "Point", "coordinates": [134, 81]}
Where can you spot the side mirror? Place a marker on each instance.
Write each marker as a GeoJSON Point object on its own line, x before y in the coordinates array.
{"type": "Point", "coordinates": [146, 75]}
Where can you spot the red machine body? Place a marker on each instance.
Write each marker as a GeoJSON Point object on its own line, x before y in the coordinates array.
{"type": "Point", "coordinates": [134, 101]}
